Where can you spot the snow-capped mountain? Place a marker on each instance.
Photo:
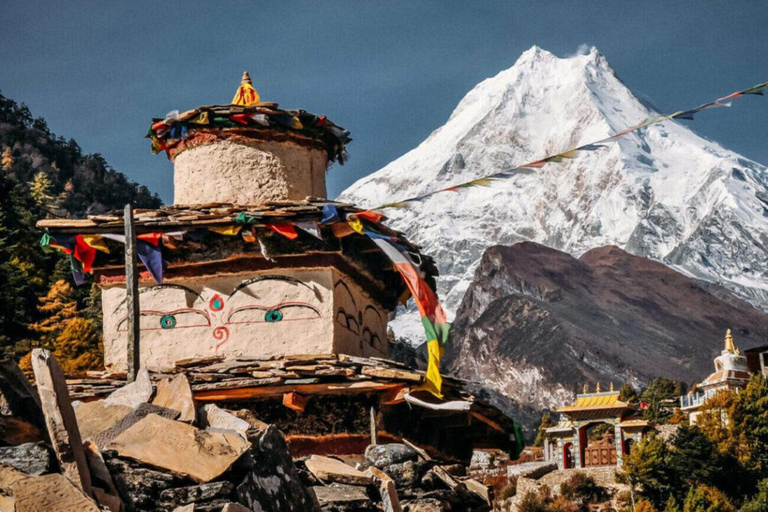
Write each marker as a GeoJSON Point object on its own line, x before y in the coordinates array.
{"type": "Point", "coordinates": [664, 193]}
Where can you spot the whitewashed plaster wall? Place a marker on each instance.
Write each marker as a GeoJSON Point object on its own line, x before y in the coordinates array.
{"type": "Point", "coordinates": [251, 172]}
{"type": "Point", "coordinates": [360, 323]}
{"type": "Point", "coordinates": [279, 312]}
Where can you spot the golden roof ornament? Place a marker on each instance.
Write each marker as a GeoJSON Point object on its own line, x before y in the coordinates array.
{"type": "Point", "coordinates": [597, 389]}
{"type": "Point", "coordinates": [585, 390]}
{"type": "Point", "coordinates": [612, 387]}
{"type": "Point", "coordinates": [246, 95]}
{"type": "Point", "coordinates": [729, 346]}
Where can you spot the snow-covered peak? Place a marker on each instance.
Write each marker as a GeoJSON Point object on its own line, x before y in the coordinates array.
{"type": "Point", "coordinates": [665, 192]}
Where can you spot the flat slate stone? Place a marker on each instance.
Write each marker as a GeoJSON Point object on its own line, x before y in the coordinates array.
{"type": "Point", "coordinates": [9, 476]}
{"type": "Point", "coordinates": [7, 504]}
{"type": "Point", "coordinates": [94, 417]}
{"type": "Point", "coordinates": [195, 493]}
{"type": "Point", "coordinates": [60, 419]}
{"type": "Point", "coordinates": [175, 393]}
{"type": "Point", "coordinates": [179, 448]}
{"type": "Point", "coordinates": [384, 455]}
{"type": "Point", "coordinates": [133, 417]}
{"type": "Point", "coordinates": [332, 470]}
{"type": "Point", "coordinates": [214, 417]}
{"type": "Point", "coordinates": [51, 492]}
{"type": "Point", "coordinates": [31, 458]}
{"type": "Point", "coordinates": [346, 495]}
{"type": "Point", "coordinates": [133, 394]}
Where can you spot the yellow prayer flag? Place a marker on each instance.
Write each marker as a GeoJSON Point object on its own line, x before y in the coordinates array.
{"type": "Point", "coordinates": [97, 242]}
{"type": "Point", "coordinates": [433, 382]}
{"type": "Point", "coordinates": [226, 230]}
{"type": "Point", "coordinates": [356, 225]}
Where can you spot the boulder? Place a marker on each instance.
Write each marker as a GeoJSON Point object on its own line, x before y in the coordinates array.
{"type": "Point", "coordinates": [383, 455]}
{"type": "Point", "coordinates": [175, 393]}
{"type": "Point", "coordinates": [273, 484]}
{"type": "Point", "coordinates": [406, 474]}
{"type": "Point", "coordinates": [139, 487]}
{"type": "Point", "coordinates": [94, 417]}
{"type": "Point", "coordinates": [18, 397]}
{"type": "Point", "coordinates": [134, 394]}
{"type": "Point", "coordinates": [30, 458]}
{"type": "Point", "coordinates": [51, 492]}
{"type": "Point", "coordinates": [179, 448]}
{"type": "Point", "coordinates": [60, 419]}
{"type": "Point", "coordinates": [133, 417]}
{"type": "Point", "coordinates": [217, 419]}
{"type": "Point", "coordinates": [332, 470]}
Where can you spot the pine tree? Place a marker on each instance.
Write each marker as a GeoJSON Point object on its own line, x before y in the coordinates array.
{"type": "Point", "coordinates": [759, 502]}
{"type": "Point", "coordinates": [647, 468]}
{"type": "Point", "coordinates": [40, 189]}
{"type": "Point", "coordinates": [749, 423]}
{"type": "Point", "coordinates": [7, 159]}
{"type": "Point", "coordinates": [672, 505]}
{"type": "Point", "coordinates": [79, 347]}
{"type": "Point", "coordinates": [702, 498]}
{"type": "Point", "coordinates": [58, 307]}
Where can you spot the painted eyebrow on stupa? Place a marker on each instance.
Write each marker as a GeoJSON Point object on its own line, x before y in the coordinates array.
{"type": "Point", "coordinates": [159, 286]}
{"type": "Point", "coordinates": [287, 279]}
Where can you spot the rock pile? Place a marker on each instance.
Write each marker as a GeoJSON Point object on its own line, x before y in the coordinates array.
{"type": "Point", "coordinates": [148, 447]}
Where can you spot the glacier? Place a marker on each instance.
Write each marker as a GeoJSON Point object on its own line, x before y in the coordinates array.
{"type": "Point", "coordinates": [665, 192]}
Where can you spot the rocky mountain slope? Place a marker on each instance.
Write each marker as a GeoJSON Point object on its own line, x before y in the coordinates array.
{"type": "Point", "coordinates": [536, 323]}
{"type": "Point", "coordinates": [665, 192]}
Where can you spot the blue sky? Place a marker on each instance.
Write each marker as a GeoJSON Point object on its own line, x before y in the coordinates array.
{"type": "Point", "coordinates": [391, 72]}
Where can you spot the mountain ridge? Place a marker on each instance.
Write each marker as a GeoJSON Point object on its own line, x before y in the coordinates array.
{"type": "Point", "coordinates": [664, 192]}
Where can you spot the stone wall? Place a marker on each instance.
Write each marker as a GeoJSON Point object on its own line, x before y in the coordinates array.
{"type": "Point", "coordinates": [279, 312]}
{"type": "Point", "coordinates": [247, 172]}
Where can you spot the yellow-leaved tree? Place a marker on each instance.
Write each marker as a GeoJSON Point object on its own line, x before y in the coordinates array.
{"type": "Point", "coordinates": [74, 340]}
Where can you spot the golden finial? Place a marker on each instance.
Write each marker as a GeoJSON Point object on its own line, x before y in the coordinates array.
{"type": "Point", "coordinates": [585, 390]}
{"type": "Point", "coordinates": [597, 389]}
{"type": "Point", "coordinates": [729, 346]}
{"type": "Point", "coordinates": [246, 95]}
{"type": "Point", "coordinates": [612, 387]}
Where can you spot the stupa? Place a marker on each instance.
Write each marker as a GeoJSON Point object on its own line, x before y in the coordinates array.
{"type": "Point", "coordinates": [252, 258]}
{"type": "Point", "coordinates": [270, 297]}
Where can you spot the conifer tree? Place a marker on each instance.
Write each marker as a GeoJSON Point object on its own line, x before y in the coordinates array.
{"type": "Point", "coordinates": [40, 189]}
{"type": "Point", "coordinates": [672, 505]}
{"type": "Point", "coordinates": [7, 159]}
{"type": "Point", "coordinates": [702, 498]}
{"type": "Point", "coordinates": [58, 307]}
{"type": "Point", "coordinates": [759, 502]}
{"type": "Point", "coordinates": [79, 347]}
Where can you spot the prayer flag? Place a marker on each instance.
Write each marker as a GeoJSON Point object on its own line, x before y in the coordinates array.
{"type": "Point", "coordinates": [330, 214]}
{"type": "Point", "coordinates": [310, 227]}
{"type": "Point", "coordinates": [356, 225]}
{"type": "Point", "coordinates": [370, 216]}
{"type": "Point", "coordinates": [84, 253]}
{"type": "Point", "coordinates": [97, 242]}
{"type": "Point", "coordinates": [284, 228]}
{"type": "Point", "coordinates": [226, 230]}
{"type": "Point", "coordinates": [433, 317]}
{"type": "Point", "coordinates": [152, 258]}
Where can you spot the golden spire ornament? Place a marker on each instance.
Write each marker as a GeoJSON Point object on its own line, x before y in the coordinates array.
{"type": "Point", "coordinates": [585, 390]}
{"type": "Point", "coordinates": [246, 95]}
{"type": "Point", "coordinates": [612, 390]}
{"type": "Point", "coordinates": [597, 389]}
{"type": "Point", "coordinates": [729, 346]}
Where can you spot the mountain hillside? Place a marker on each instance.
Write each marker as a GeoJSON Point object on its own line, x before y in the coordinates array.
{"type": "Point", "coordinates": [42, 175]}
{"type": "Point", "coordinates": [536, 323]}
{"type": "Point", "coordinates": [665, 192]}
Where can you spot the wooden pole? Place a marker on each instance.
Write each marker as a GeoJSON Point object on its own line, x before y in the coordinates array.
{"type": "Point", "coordinates": [131, 294]}
{"type": "Point", "coordinates": [374, 429]}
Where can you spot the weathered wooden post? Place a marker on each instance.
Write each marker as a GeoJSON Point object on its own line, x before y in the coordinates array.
{"type": "Point", "coordinates": [131, 294]}
{"type": "Point", "coordinates": [374, 428]}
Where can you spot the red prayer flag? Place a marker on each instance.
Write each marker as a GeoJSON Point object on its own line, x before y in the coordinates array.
{"type": "Point", "coordinates": [84, 253]}
{"type": "Point", "coordinates": [152, 238]}
{"type": "Point", "coordinates": [370, 215]}
{"type": "Point", "coordinates": [284, 228]}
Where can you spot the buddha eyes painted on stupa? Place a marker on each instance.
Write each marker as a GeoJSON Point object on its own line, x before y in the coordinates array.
{"type": "Point", "coordinates": [265, 299]}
